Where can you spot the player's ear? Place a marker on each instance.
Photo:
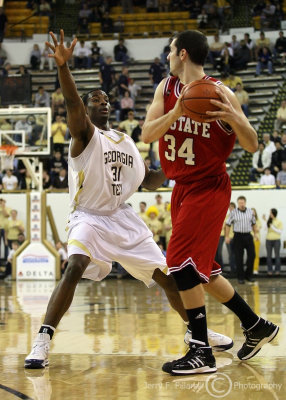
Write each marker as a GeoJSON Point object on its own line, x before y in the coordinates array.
{"type": "Point", "coordinates": [183, 54]}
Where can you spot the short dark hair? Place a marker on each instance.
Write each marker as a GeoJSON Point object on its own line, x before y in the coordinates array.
{"type": "Point", "coordinates": [232, 204]}
{"type": "Point", "coordinates": [85, 96]}
{"type": "Point", "coordinates": [241, 198]}
{"type": "Point", "coordinates": [143, 202]}
{"type": "Point", "coordinates": [195, 43]}
{"type": "Point", "coordinates": [274, 212]}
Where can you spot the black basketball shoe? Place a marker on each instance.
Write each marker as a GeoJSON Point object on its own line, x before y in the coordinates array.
{"type": "Point", "coordinates": [263, 332]}
{"type": "Point", "coordinates": [198, 360]}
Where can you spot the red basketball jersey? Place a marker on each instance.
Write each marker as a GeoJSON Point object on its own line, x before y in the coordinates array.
{"type": "Point", "coordinates": [191, 150]}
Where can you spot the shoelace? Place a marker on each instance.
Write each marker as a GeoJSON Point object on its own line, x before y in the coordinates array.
{"type": "Point", "coordinates": [40, 349]}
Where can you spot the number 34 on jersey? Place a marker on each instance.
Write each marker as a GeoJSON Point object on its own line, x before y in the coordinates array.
{"type": "Point", "coordinates": [185, 151]}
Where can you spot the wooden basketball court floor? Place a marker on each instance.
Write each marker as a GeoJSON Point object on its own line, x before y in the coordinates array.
{"type": "Point", "coordinates": [117, 334]}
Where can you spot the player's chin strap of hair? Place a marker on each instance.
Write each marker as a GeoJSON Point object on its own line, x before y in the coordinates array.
{"type": "Point", "coordinates": [187, 278]}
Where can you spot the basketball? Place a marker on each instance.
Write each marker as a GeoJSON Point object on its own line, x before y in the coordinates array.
{"type": "Point", "coordinates": [196, 99]}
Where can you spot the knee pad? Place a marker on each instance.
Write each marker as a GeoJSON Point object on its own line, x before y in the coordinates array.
{"type": "Point", "coordinates": [187, 278]}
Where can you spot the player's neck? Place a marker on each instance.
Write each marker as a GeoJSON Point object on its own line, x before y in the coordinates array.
{"type": "Point", "coordinates": [103, 126]}
{"type": "Point", "coordinates": [191, 73]}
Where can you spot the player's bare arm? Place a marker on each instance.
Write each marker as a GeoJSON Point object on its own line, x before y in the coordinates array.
{"type": "Point", "coordinates": [231, 113]}
{"type": "Point", "coordinates": [153, 179]}
{"type": "Point", "coordinates": [157, 123]}
{"type": "Point", "coordinates": [80, 126]}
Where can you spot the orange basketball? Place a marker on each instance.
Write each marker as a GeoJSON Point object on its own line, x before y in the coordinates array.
{"type": "Point", "coordinates": [196, 99]}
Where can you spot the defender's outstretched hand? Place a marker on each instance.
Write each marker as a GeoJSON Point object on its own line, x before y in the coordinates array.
{"type": "Point", "coordinates": [61, 53]}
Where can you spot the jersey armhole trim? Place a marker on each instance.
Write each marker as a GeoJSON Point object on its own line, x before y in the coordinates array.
{"type": "Point", "coordinates": [224, 128]}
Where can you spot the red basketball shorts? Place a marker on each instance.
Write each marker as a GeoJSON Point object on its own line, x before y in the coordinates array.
{"type": "Point", "coordinates": [198, 211]}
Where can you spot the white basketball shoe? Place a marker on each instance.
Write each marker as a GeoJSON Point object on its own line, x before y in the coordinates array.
{"type": "Point", "coordinates": [38, 358]}
{"type": "Point", "coordinates": [217, 341]}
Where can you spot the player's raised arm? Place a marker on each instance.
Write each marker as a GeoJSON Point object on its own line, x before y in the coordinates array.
{"type": "Point", "coordinates": [157, 123]}
{"type": "Point", "coordinates": [231, 113]}
{"type": "Point", "coordinates": [79, 123]}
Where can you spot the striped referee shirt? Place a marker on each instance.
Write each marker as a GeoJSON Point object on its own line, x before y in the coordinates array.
{"type": "Point", "coordinates": [242, 220]}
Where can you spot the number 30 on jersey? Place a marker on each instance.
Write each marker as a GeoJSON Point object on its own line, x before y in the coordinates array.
{"type": "Point", "coordinates": [185, 151]}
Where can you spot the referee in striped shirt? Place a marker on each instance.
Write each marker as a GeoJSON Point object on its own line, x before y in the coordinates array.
{"type": "Point", "coordinates": [243, 222]}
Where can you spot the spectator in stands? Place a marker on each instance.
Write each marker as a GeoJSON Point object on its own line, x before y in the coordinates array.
{"type": "Point", "coordinates": [261, 42]}
{"type": "Point", "coordinates": [106, 23]}
{"type": "Point", "coordinates": [264, 61]}
{"type": "Point", "coordinates": [123, 81]}
{"type": "Point", "coordinates": [9, 181]}
{"type": "Point", "coordinates": [152, 6]}
{"type": "Point", "coordinates": [42, 98]}
{"type": "Point", "coordinates": [250, 45]}
{"type": "Point", "coordinates": [210, 8]}
{"type": "Point", "coordinates": [280, 47]}
{"type": "Point", "coordinates": [118, 25]}
{"type": "Point", "coordinates": [47, 182]}
{"type": "Point", "coordinates": [138, 129]}
{"type": "Point", "coordinates": [273, 241]}
{"type": "Point", "coordinates": [280, 116]}
{"type": "Point", "coordinates": [3, 23]}
{"type": "Point", "coordinates": [215, 50]}
{"type": "Point", "coordinates": [35, 57]}
{"type": "Point", "coordinates": [120, 52]}
{"type": "Point", "coordinates": [7, 69]}
{"type": "Point", "coordinates": [267, 178]}
{"type": "Point", "coordinates": [233, 80]}
{"type": "Point", "coordinates": [267, 18]}
{"type": "Point", "coordinates": [46, 60]}
{"type": "Point", "coordinates": [258, 8]}
{"type": "Point", "coordinates": [156, 72]}
{"type": "Point", "coordinates": [153, 223]}
{"type": "Point", "coordinates": [21, 238]}
{"type": "Point", "coordinates": [242, 57]}
{"type": "Point", "coordinates": [106, 75]}
{"type": "Point", "coordinates": [165, 53]}
{"type": "Point", "coordinates": [196, 9]}
{"type": "Point", "coordinates": [202, 19]}
{"type": "Point", "coordinates": [84, 12]}
{"type": "Point", "coordinates": [126, 105]}
{"type": "Point", "coordinates": [59, 128]}
{"type": "Point", "coordinates": [57, 163]}
{"type": "Point", "coordinates": [22, 125]}
{"type": "Point", "coordinates": [242, 97]}
{"type": "Point", "coordinates": [82, 52]}
{"type": "Point", "coordinates": [22, 71]}
{"type": "Point", "coordinates": [261, 159]}
{"type": "Point", "coordinates": [95, 15]}
{"type": "Point", "coordinates": [95, 57]}
{"type": "Point", "coordinates": [61, 180]}
{"type": "Point", "coordinates": [134, 89]}
{"type": "Point", "coordinates": [57, 100]}
{"type": "Point", "coordinates": [281, 176]}
{"type": "Point", "coordinates": [3, 55]}
{"type": "Point", "coordinates": [129, 124]}
{"type": "Point", "coordinates": [114, 107]}
{"type": "Point", "coordinates": [13, 228]}
{"type": "Point", "coordinates": [283, 140]}
{"type": "Point", "coordinates": [149, 164]}
{"type": "Point", "coordinates": [277, 157]}
{"type": "Point", "coordinates": [142, 211]}
{"type": "Point", "coordinates": [83, 26]}
{"type": "Point", "coordinates": [45, 8]}
{"type": "Point", "coordinates": [235, 45]}
{"type": "Point", "coordinates": [226, 59]}
{"type": "Point", "coordinates": [269, 144]}
{"type": "Point", "coordinates": [144, 148]}
{"type": "Point", "coordinates": [26, 182]}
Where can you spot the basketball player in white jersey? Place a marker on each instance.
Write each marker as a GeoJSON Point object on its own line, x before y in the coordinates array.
{"type": "Point", "coordinates": [105, 168]}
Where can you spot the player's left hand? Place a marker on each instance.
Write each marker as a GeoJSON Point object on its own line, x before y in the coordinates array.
{"type": "Point", "coordinates": [227, 112]}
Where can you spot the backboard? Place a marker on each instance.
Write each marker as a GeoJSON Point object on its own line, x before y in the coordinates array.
{"type": "Point", "coordinates": [27, 128]}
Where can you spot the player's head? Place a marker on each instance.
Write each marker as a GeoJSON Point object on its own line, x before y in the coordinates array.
{"type": "Point", "coordinates": [185, 45]}
{"type": "Point", "coordinates": [97, 106]}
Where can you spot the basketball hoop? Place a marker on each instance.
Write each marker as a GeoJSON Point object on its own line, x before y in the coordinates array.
{"type": "Point", "coordinates": [7, 153]}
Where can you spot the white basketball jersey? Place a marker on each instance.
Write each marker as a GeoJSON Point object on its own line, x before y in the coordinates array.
{"type": "Point", "coordinates": [106, 173]}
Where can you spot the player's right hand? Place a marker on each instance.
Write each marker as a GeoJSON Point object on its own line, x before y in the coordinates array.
{"type": "Point", "coordinates": [61, 53]}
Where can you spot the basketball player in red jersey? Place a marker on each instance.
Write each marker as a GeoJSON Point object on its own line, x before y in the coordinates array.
{"type": "Point", "coordinates": [194, 155]}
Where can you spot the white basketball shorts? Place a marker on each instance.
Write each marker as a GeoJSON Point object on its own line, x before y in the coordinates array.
{"type": "Point", "coordinates": [122, 237]}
